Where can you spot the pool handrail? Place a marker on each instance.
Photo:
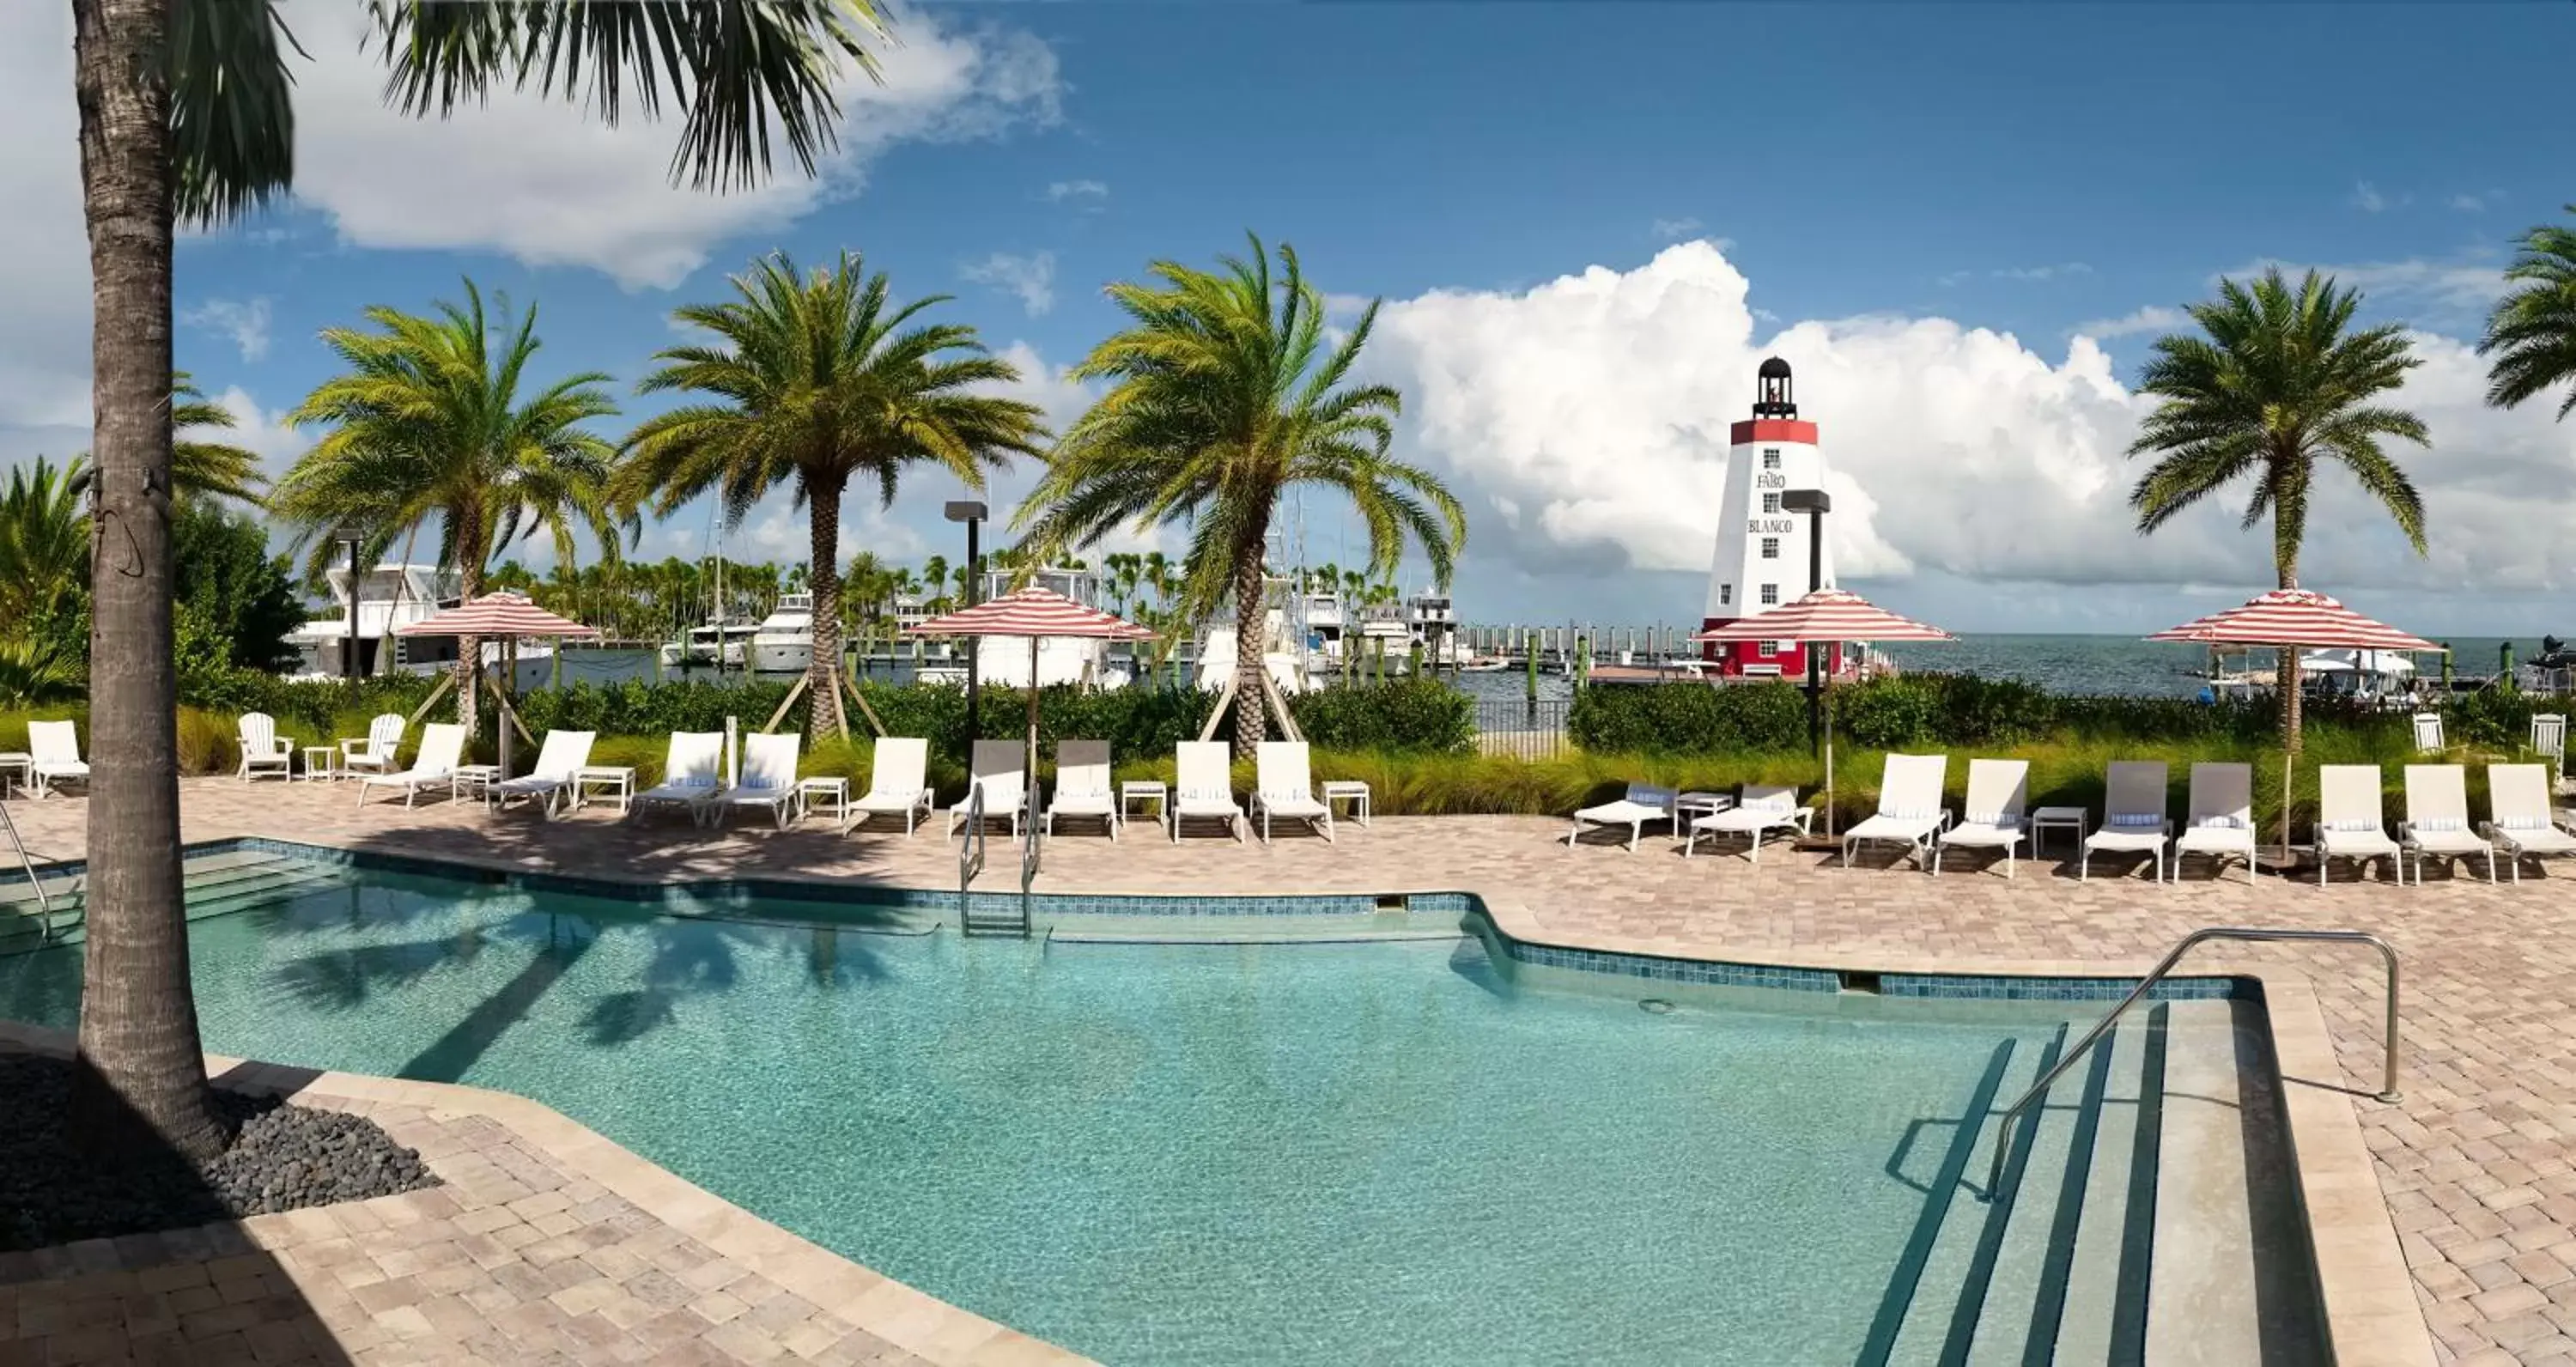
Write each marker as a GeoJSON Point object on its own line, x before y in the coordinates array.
{"type": "Point", "coordinates": [44, 905]}
{"type": "Point", "coordinates": [2388, 1082]}
{"type": "Point", "coordinates": [970, 854]}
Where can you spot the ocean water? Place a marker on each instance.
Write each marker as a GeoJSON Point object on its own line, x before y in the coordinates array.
{"type": "Point", "coordinates": [1155, 1154]}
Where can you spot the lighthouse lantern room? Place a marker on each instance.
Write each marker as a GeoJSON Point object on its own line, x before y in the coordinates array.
{"type": "Point", "coordinates": [1762, 552]}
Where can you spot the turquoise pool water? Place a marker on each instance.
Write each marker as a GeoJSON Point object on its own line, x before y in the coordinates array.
{"type": "Point", "coordinates": [1379, 1152]}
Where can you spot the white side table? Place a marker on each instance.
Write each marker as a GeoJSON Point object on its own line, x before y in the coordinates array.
{"type": "Point", "coordinates": [616, 779]}
{"type": "Point", "coordinates": [1135, 790]}
{"type": "Point", "coordinates": [1690, 807]}
{"type": "Point", "coordinates": [473, 780]}
{"type": "Point", "coordinates": [24, 764]}
{"type": "Point", "coordinates": [321, 763]}
{"type": "Point", "coordinates": [833, 787]}
{"type": "Point", "coordinates": [1352, 791]}
{"type": "Point", "coordinates": [2071, 818]}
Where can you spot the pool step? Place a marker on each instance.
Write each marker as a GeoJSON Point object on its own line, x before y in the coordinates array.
{"type": "Point", "coordinates": [215, 884]}
{"type": "Point", "coordinates": [2144, 1179]}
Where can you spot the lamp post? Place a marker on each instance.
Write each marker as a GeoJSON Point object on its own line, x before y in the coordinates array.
{"type": "Point", "coordinates": [1815, 503]}
{"type": "Point", "coordinates": [972, 512]}
{"type": "Point", "coordinates": [350, 537]}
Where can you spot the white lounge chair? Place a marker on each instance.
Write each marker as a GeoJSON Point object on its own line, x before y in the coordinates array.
{"type": "Point", "coordinates": [2428, 732]}
{"type": "Point", "coordinates": [442, 748]}
{"type": "Point", "coordinates": [1205, 790]}
{"type": "Point", "coordinates": [1082, 788]}
{"type": "Point", "coordinates": [374, 752]}
{"type": "Point", "coordinates": [2437, 819]}
{"type": "Point", "coordinates": [54, 751]}
{"type": "Point", "coordinates": [2518, 797]}
{"type": "Point", "coordinates": [2220, 819]}
{"type": "Point", "coordinates": [563, 754]}
{"type": "Point", "coordinates": [2549, 741]}
{"type": "Point", "coordinates": [898, 782]}
{"type": "Point", "coordinates": [1993, 818]}
{"type": "Point", "coordinates": [1644, 802]}
{"type": "Point", "coordinates": [1285, 786]}
{"type": "Point", "coordinates": [1909, 808]}
{"type": "Point", "coordinates": [2349, 825]}
{"type": "Point", "coordinates": [1759, 809]}
{"type": "Point", "coordinates": [262, 749]}
{"type": "Point", "coordinates": [1001, 769]}
{"type": "Point", "coordinates": [2133, 816]}
{"type": "Point", "coordinates": [767, 782]}
{"type": "Point", "coordinates": [692, 772]}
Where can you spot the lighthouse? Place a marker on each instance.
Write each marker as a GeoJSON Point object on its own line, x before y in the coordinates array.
{"type": "Point", "coordinates": [1762, 550]}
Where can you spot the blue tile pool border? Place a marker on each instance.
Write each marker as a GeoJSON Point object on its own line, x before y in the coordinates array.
{"type": "Point", "coordinates": [691, 897]}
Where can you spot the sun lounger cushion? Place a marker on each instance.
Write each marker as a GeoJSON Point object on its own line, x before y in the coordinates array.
{"type": "Point", "coordinates": [2136, 819]}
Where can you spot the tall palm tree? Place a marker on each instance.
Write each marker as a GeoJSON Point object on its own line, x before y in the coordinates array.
{"type": "Point", "coordinates": [816, 380]}
{"type": "Point", "coordinates": [2277, 384]}
{"type": "Point", "coordinates": [433, 422]}
{"type": "Point", "coordinates": [44, 540]}
{"type": "Point", "coordinates": [1224, 392]}
{"type": "Point", "coordinates": [2532, 332]}
{"type": "Point", "coordinates": [186, 115]}
{"type": "Point", "coordinates": [934, 580]}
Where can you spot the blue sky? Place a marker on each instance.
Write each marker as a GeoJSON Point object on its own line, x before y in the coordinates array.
{"type": "Point", "coordinates": [1922, 205]}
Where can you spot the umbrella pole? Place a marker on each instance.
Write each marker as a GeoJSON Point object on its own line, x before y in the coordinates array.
{"type": "Point", "coordinates": [1033, 720]}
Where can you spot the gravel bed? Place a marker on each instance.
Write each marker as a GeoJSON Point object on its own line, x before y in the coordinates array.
{"type": "Point", "coordinates": [282, 1158]}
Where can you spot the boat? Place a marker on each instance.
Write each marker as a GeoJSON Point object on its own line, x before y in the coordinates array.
{"type": "Point", "coordinates": [388, 597]}
{"type": "Point", "coordinates": [783, 643]}
{"type": "Point", "coordinates": [716, 640]}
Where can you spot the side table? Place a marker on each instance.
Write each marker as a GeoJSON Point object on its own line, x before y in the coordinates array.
{"type": "Point", "coordinates": [604, 778]}
{"type": "Point", "coordinates": [833, 787]}
{"type": "Point", "coordinates": [473, 780]}
{"type": "Point", "coordinates": [321, 763]}
{"type": "Point", "coordinates": [2071, 818]}
{"type": "Point", "coordinates": [1352, 791]}
{"type": "Point", "coordinates": [1135, 790]}
{"type": "Point", "coordinates": [24, 764]}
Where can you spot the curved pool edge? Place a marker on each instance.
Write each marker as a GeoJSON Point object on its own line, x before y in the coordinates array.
{"type": "Point", "coordinates": [910, 1319]}
{"type": "Point", "coordinates": [2367, 1301]}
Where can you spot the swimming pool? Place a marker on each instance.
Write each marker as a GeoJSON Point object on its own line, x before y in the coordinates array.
{"type": "Point", "coordinates": [1170, 1152]}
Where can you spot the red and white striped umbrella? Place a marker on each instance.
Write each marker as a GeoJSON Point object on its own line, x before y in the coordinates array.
{"type": "Point", "coordinates": [496, 614]}
{"type": "Point", "coordinates": [1835, 615]}
{"type": "Point", "coordinates": [2294, 617]}
{"type": "Point", "coordinates": [1033, 612]}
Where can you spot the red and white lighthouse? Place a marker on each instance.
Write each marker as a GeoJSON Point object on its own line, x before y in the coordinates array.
{"type": "Point", "coordinates": [1762, 556]}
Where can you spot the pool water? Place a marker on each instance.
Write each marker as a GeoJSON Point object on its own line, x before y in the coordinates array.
{"type": "Point", "coordinates": [1160, 1153]}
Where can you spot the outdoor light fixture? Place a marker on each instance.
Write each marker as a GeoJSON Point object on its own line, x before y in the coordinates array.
{"type": "Point", "coordinates": [350, 537]}
{"type": "Point", "coordinates": [972, 512]}
{"type": "Point", "coordinates": [1815, 503]}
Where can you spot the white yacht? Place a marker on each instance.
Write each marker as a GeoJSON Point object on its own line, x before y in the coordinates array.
{"type": "Point", "coordinates": [388, 596]}
{"type": "Point", "coordinates": [1003, 661]}
{"type": "Point", "coordinates": [715, 639]}
{"type": "Point", "coordinates": [784, 641]}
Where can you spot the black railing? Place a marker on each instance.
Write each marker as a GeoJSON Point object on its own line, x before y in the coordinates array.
{"type": "Point", "coordinates": [1523, 729]}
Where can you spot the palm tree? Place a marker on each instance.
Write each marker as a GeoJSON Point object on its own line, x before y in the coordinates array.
{"type": "Point", "coordinates": [2532, 331]}
{"type": "Point", "coordinates": [819, 379]}
{"type": "Point", "coordinates": [186, 115]}
{"type": "Point", "coordinates": [44, 540]}
{"type": "Point", "coordinates": [2275, 386]}
{"type": "Point", "coordinates": [430, 422]}
{"type": "Point", "coordinates": [1224, 393]}
{"type": "Point", "coordinates": [934, 580]}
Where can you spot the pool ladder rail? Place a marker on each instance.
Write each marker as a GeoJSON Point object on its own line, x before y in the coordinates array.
{"type": "Point", "coordinates": [970, 862]}
{"type": "Point", "coordinates": [2388, 1078]}
{"type": "Point", "coordinates": [35, 881]}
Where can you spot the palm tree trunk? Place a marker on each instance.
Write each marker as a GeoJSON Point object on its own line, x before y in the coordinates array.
{"type": "Point", "coordinates": [142, 1077]}
{"type": "Point", "coordinates": [1251, 671]}
{"type": "Point", "coordinates": [823, 573]}
{"type": "Point", "coordinates": [2289, 675]}
{"type": "Point", "coordinates": [469, 649]}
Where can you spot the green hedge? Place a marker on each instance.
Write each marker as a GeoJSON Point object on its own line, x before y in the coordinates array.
{"type": "Point", "coordinates": [1968, 710]}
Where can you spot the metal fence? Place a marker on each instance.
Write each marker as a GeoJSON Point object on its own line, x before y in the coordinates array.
{"type": "Point", "coordinates": [1523, 729]}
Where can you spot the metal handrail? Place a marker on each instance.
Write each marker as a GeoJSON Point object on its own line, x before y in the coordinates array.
{"type": "Point", "coordinates": [44, 904]}
{"type": "Point", "coordinates": [1031, 847]}
{"type": "Point", "coordinates": [970, 855]}
{"type": "Point", "coordinates": [2388, 1083]}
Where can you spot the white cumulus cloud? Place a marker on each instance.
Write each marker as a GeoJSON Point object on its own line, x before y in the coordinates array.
{"type": "Point", "coordinates": [546, 183]}
{"type": "Point", "coordinates": [1030, 278]}
{"type": "Point", "coordinates": [243, 322]}
{"type": "Point", "coordinates": [1063, 190]}
{"type": "Point", "coordinates": [1585, 421]}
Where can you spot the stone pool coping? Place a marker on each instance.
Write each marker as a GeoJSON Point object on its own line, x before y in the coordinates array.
{"type": "Point", "coordinates": [2372, 1317]}
{"type": "Point", "coordinates": [928, 1328]}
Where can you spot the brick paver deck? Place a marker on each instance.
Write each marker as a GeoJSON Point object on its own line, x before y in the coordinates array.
{"type": "Point", "coordinates": [2475, 1165]}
